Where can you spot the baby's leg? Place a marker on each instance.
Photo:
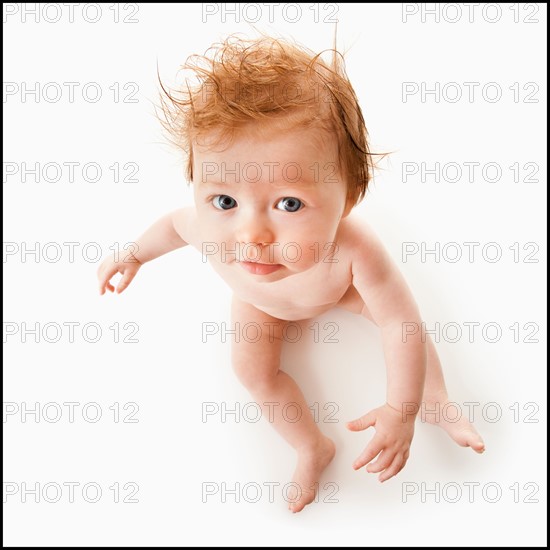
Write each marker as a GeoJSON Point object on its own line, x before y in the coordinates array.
{"type": "Point", "coordinates": [256, 364]}
{"type": "Point", "coordinates": [438, 409]}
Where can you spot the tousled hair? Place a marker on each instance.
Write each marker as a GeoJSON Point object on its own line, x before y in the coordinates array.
{"type": "Point", "coordinates": [240, 81]}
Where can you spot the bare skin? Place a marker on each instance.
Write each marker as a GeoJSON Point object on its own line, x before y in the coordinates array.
{"type": "Point", "coordinates": [288, 249]}
{"type": "Point", "coordinates": [256, 364]}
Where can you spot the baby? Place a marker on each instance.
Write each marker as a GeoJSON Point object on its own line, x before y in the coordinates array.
{"type": "Point", "coordinates": [277, 151]}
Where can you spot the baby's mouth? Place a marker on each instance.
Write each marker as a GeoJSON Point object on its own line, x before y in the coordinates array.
{"type": "Point", "coordinates": [256, 268]}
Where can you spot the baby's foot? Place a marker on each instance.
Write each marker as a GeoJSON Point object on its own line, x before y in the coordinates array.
{"type": "Point", "coordinates": [311, 463]}
{"type": "Point", "coordinates": [454, 421]}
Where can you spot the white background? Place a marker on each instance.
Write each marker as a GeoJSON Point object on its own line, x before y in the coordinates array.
{"type": "Point", "coordinates": [170, 453]}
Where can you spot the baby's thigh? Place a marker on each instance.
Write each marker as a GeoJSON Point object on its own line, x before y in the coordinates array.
{"type": "Point", "coordinates": [257, 352]}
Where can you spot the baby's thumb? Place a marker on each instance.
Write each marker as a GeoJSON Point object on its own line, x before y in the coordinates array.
{"type": "Point", "coordinates": [366, 421]}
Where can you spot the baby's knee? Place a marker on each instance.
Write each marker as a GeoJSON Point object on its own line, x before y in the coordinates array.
{"type": "Point", "coordinates": [253, 375]}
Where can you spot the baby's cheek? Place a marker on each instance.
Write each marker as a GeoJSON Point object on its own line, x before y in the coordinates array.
{"type": "Point", "coordinates": [212, 231]}
{"type": "Point", "coordinates": [213, 237]}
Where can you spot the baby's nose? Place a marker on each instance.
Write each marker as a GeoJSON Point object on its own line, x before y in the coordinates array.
{"type": "Point", "coordinates": [256, 230]}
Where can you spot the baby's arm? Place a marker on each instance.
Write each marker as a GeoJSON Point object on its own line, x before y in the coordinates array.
{"type": "Point", "coordinates": [165, 235]}
{"type": "Point", "coordinates": [390, 304]}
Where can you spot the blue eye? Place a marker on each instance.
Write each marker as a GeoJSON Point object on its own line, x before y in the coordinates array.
{"type": "Point", "coordinates": [290, 204]}
{"type": "Point", "coordinates": [224, 202]}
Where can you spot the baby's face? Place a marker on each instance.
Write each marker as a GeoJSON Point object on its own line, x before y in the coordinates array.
{"type": "Point", "coordinates": [270, 204]}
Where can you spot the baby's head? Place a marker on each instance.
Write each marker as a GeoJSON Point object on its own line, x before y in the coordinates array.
{"type": "Point", "coordinates": [258, 82]}
{"type": "Point", "coordinates": [276, 144]}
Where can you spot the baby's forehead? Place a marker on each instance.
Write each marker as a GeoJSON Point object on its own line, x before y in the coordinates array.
{"type": "Point", "coordinates": [225, 173]}
{"type": "Point", "coordinates": [275, 136]}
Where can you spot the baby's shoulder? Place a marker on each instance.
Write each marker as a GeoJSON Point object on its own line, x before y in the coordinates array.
{"type": "Point", "coordinates": [359, 243]}
{"type": "Point", "coordinates": [356, 235]}
{"type": "Point", "coordinates": [186, 225]}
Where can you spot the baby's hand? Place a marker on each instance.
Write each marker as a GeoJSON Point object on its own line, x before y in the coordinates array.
{"type": "Point", "coordinates": [392, 440]}
{"type": "Point", "coordinates": [109, 267]}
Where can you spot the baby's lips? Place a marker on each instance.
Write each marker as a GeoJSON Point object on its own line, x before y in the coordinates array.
{"type": "Point", "coordinates": [259, 261]}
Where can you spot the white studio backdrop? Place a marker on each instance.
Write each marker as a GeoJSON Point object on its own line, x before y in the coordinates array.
{"type": "Point", "coordinates": [118, 422]}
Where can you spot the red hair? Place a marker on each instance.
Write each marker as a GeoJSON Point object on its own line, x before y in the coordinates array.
{"type": "Point", "coordinates": [241, 81]}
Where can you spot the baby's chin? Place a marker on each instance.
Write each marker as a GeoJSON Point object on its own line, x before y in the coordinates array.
{"type": "Point", "coordinates": [273, 271]}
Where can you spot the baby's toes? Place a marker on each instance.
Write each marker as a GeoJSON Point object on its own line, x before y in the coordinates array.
{"type": "Point", "coordinates": [476, 442]}
{"type": "Point", "coordinates": [300, 499]}
{"type": "Point", "coordinates": [466, 436]}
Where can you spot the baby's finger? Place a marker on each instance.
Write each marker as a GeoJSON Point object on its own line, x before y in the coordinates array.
{"type": "Point", "coordinates": [383, 461]}
{"type": "Point", "coordinates": [366, 421]}
{"type": "Point", "coordinates": [125, 281]}
{"type": "Point", "coordinates": [104, 281]}
{"type": "Point", "coordinates": [395, 467]}
{"type": "Point", "coordinates": [369, 454]}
